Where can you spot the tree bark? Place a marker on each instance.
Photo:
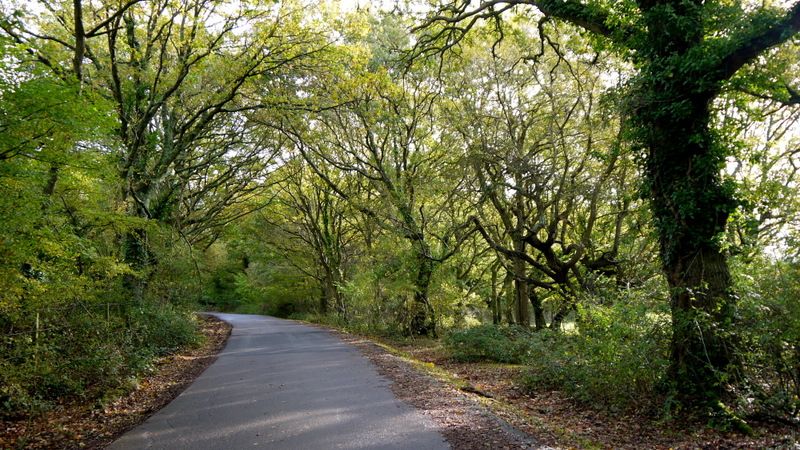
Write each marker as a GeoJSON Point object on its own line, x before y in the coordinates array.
{"type": "Point", "coordinates": [495, 297]}
{"type": "Point", "coordinates": [331, 297]}
{"type": "Point", "coordinates": [80, 40]}
{"type": "Point", "coordinates": [538, 312]}
{"type": "Point", "coordinates": [423, 319]}
{"type": "Point", "coordinates": [136, 255]}
{"type": "Point", "coordinates": [508, 288]}
{"type": "Point", "coordinates": [691, 205]}
{"type": "Point", "coordinates": [521, 287]}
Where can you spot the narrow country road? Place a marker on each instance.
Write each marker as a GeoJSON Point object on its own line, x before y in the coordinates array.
{"type": "Point", "coordinates": [281, 385]}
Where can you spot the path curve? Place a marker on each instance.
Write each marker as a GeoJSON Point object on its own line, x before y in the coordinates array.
{"type": "Point", "coordinates": [282, 385]}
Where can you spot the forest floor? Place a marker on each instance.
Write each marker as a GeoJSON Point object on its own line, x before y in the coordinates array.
{"type": "Point", "coordinates": [85, 425]}
{"type": "Point", "coordinates": [548, 418]}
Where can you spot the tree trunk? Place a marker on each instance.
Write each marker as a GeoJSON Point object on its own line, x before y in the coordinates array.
{"type": "Point", "coordinates": [702, 312]}
{"type": "Point", "coordinates": [508, 288]}
{"type": "Point", "coordinates": [80, 40]}
{"type": "Point", "coordinates": [495, 297]}
{"type": "Point", "coordinates": [331, 297]}
{"type": "Point", "coordinates": [559, 316]}
{"type": "Point", "coordinates": [521, 287]}
{"type": "Point", "coordinates": [423, 320]}
{"type": "Point", "coordinates": [691, 205]}
{"type": "Point", "coordinates": [136, 248]}
{"type": "Point", "coordinates": [324, 297]}
{"type": "Point", "coordinates": [136, 255]}
{"type": "Point", "coordinates": [538, 312]}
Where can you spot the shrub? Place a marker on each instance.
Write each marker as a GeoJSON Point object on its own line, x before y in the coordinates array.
{"type": "Point", "coordinates": [85, 352]}
{"type": "Point", "coordinates": [502, 344]}
{"type": "Point", "coordinates": [162, 329]}
{"type": "Point", "coordinates": [615, 360]}
{"type": "Point", "coordinates": [768, 333]}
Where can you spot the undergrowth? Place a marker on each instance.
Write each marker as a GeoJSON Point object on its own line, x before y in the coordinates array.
{"type": "Point", "coordinates": [84, 352]}
{"type": "Point", "coordinates": [614, 360]}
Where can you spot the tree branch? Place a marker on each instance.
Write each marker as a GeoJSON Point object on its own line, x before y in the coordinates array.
{"type": "Point", "coordinates": [459, 18]}
{"type": "Point", "coordinates": [791, 98]}
{"type": "Point", "coordinates": [776, 34]}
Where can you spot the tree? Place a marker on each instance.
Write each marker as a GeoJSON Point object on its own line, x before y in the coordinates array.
{"type": "Point", "coordinates": [384, 137]}
{"type": "Point", "coordinates": [186, 153]}
{"type": "Point", "coordinates": [377, 125]}
{"type": "Point", "coordinates": [765, 165]}
{"type": "Point", "coordinates": [547, 160]}
{"type": "Point", "coordinates": [315, 226]}
{"type": "Point", "coordinates": [53, 165]}
{"type": "Point", "coordinates": [685, 52]}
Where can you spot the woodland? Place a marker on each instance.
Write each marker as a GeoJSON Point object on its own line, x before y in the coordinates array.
{"type": "Point", "coordinates": [603, 192]}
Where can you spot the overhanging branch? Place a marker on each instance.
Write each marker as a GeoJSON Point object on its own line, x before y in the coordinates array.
{"type": "Point", "coordinates": [458, 18]}
{"type": "Point", "coordinates": [779, 32]}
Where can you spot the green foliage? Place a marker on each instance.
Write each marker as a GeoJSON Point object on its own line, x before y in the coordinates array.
{"type": "Point", "coordinates": [198, 155]}
{"type": "Point", "coordinates": [177, 279]}
{"type": "Point", "coordinates": [504, 344]}
{"type": "Point", "coordinates": [616, 359]}
{"type": "Point", "coordinates": [252, 281]}
{"type": "Point", "coordinates": [66, 328]}
{"type": "Point", "coordinates": [769, 333]}
{"type": "Point", "coordinates": [83, 350]}
{"type": "Point", "coordinates": [43, 117]}
{"type": "Point", "coordinates": [161, 329]}
{"type": "Point", "coordinates": [379, 293]}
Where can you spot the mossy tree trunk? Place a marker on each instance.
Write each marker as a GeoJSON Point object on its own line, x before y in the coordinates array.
{"type": "Point", "coordinates": [423, 318]}
{"type": "Point", "coordinates": [691, 205]}
{"type": "Point", "coordinates": [690, 202]}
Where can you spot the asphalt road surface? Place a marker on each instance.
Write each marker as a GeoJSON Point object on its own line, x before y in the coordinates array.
{"type": "Point", "coordinates": [281, 385]}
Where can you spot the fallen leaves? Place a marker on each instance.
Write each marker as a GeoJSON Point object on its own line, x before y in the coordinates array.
{"type": "Point", "coordinates": [463, 420]}
{"type": "Point", "coordinates": [555, 418]}
{"type": "Point", "coordinates": [502, 415]}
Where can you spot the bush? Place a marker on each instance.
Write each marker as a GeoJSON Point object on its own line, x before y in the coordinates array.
{"type": "Point", "coordinates": [160, 330]}
{"type": "Point", "coordinates": [85, 352]}
{"type": "Point", "coordinates": [502, 344]}
{"type": "Point", "coordinates": [768, 331]}
{"type": "Point", "coordinates": [615, 360]}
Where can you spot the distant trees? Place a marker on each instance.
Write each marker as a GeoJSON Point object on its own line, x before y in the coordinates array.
{"type": "Point", "coordinates": [550, 168]}
{"type": "Point", "coordinates": [126, 146]}
{"type": "Point", "coordinates": [316, 225]}
{"type": "Point", "coordinates": [384, 137]}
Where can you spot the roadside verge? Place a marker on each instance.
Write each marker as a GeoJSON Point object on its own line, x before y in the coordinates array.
{"type": "Point", "coordinates": [82, 425]}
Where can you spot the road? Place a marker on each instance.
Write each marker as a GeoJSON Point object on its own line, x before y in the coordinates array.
{"type": "Point", "coordinates": [282, 385]}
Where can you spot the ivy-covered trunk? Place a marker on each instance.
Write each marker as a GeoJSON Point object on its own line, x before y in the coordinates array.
{"type": "Point", "coordinates": [136, 256]}
{"type": "Point", "coordinates": [331, 297]}
{"type": "Point", "coordinates": [136, 253]}
{"type": "Point", "coordinates": [521, 289]}
{"type": "Point", "coordinates": [691, 205]}
{"type": "Point", "coordinates": [671, 116]}
{"type": "Point", "coordinates": [423, 320]}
